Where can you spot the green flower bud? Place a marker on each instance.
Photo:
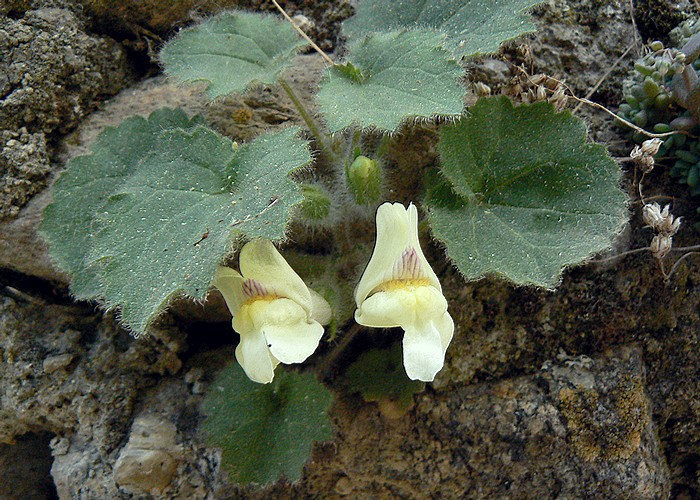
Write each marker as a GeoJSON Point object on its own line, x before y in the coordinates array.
{"type": "Point", "coordinates": [365, 179]}
{"type": "Point", "coordinates": [316, 204]}
{"type": "Point", "coordinates": [656, 45]}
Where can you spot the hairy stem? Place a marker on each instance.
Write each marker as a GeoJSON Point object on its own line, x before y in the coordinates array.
{"type": "Point", "coordinates": [325, 367]}
{"type": "Point", "coordinates": [306, 116]}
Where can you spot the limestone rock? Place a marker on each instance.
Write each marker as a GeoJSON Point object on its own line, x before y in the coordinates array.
{"type": "Point", "coordinates": [24, 169]}
{"type": "Point", "coordinates": [25, 468]}
{"type": "Point", "coordinates": [52, 71]}
{"type": "Point", "coordinates": [159, 16]}
{"type": "Point", "coordinates": [577, 429]}
{"type": "Point", "coordinates": [68, 370]}
{"type": "Point", "coordinates": [148, 462]}
{"type": "Point", "coordinates": [21, 248]}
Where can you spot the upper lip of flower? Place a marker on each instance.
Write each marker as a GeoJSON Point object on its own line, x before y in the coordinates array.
{"type": "Point", "coordinates": [277, 316]}
{"type": "Point", "coordinates": [397, 253]}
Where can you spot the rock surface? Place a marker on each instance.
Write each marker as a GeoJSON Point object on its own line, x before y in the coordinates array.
{"type": "Point", "coordinates": [25, 168]}
{"type": "Point", "coordinates": [52, 74]}
{"type": "Point", "coordinates": [25, 466]}
{"type": "Point", "coordinates": [52, 71]}
{"type": "Point", "coordinates": [591, 390]}
{"type": "Point", "coordinates": [148, 462]}
{"type": "Point", "coordinates": [576, 429]}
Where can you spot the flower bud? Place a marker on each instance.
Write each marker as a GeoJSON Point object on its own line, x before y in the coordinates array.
{"type": "Point", "coordinates": [365, 179]}
{"type": "Point", "coordinates": [316, 204]}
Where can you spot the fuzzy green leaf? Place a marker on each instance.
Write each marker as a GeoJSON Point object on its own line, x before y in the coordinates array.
{"type": "Point", "coordinates": [231, 51]}
{"type": "Point", "coordinates": [151, 212]}
{"type": "Point", "coordinates": [378, 374]}
{"type": "Point", "coordinates": [87, 184]}
{"type": "Point", "coordinates": [523, 195]}
{"type": "Point", "coordinates": [471, 26]}
{"type": "Point", "coordinates": [266, 431]}
{"type": "Point", "coordinates": [390, 77]}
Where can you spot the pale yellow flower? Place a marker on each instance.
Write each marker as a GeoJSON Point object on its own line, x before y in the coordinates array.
{"type": "Point", "coordinates": [277, 316]}
{"type": "Point", "coordinates": [399, 288]}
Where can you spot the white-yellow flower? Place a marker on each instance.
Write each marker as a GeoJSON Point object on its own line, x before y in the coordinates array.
{"type": "Point", "coordinates": [399, 288]}
{"type": "Point", "coordinates": [277, 316]}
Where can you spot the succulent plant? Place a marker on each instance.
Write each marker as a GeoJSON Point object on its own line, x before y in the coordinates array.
{"type": "Point", "coordinates": [662, 94]}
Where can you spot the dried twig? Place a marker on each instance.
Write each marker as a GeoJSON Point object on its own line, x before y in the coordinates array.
{"type": "Point", "coordinates": [306, 37]}
{"type": "Point", "coordinates": [634, 24]}
{"type": "Point", "coordinates": [667, 277]}
{"type": "Point", "coordinates": [607, 73]}
{"type": "Point", "coordinates": [690, 249]}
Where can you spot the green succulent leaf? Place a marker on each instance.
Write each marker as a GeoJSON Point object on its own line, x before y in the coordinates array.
{"type": "Point", "coordinates": [266, 431]}
{"type": "Point", "coordinates": [390, 77]}
{"type": "Point", "coordinates": [522, 194]}
{"type": "Point", "coordinates": [231, 51]}
{"type": "Point", "coordinates": [151, 212]}
{"type": "Point", "coordinates": [471, 26]}
{"type": "Point", "coordinates": [378, 374]}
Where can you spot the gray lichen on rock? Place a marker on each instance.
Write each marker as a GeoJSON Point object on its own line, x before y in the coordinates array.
{"type": "Point", "coordinates": [24, 169]}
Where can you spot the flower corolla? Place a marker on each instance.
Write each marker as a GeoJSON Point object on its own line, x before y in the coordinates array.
{"type": "Point", "coordinates": [399, 288]}
{"type": "Point", "coordinates": [277, 316]}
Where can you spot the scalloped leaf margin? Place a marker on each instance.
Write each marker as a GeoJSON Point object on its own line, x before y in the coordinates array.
{"type": "Point", "coordinates": [150, 213]}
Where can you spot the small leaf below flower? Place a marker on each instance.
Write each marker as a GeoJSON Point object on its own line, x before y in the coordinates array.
{"type": "Point", "coordinates": [265, 431]}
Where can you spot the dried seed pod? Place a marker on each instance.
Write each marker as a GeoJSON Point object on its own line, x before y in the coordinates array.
{"type": "Point", "coordinates": [660, 220]}
{"type": "Point", "coordinates": [482, 89]}
{"type": "Point", "coordinates": [661, 245]}
{"type": "Point", "coordinates": [651, 147]}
